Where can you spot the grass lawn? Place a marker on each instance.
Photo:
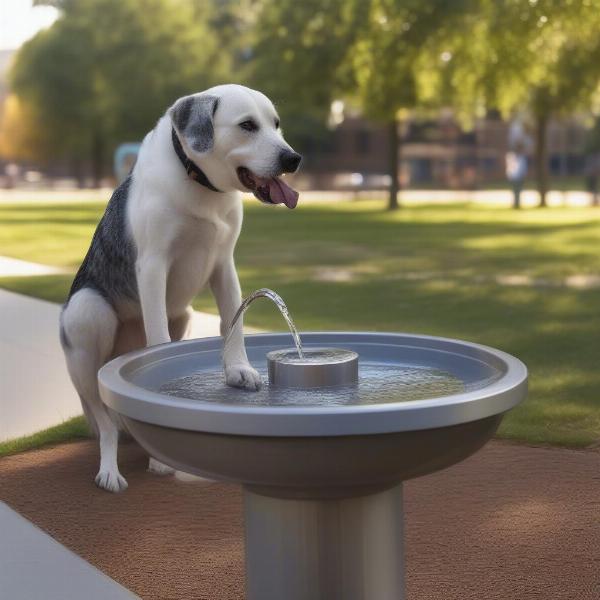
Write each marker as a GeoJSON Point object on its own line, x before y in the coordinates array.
{"type": "Point", "coordinates": [73, 429]}
{"type": "Point", "coordinates": [489, 275]}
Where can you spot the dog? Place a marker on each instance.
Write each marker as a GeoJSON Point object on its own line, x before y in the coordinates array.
{"type": "Point", "coordinates": [169, 230]}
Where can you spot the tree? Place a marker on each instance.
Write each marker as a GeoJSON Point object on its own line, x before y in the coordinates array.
{"type": "Point", "coordinates": [389, 63]}
{"type": "Point", "coordinates": [541, 56]}
{"type": "Point", "coordinates": [297, 54]}
{"type": "Point", "coordinates": [569, 87]}
{"type": "Point", "coordinates": [564, 71]}
{"type": "Point", "coordinates": [367, 51]}
{"type": "Point", "coordinates": [21, 137]}
{"type": "Point", "coordinates": [106, 69]}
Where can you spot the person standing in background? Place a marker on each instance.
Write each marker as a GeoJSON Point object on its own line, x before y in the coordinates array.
{"type": "Point", "coordinates": [519, 144]}
{"type": "Point", "coordinates": [516, 170]}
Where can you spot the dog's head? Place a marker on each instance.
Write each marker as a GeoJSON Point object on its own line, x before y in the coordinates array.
{"type": "Point", "coordinates": [233, 134]}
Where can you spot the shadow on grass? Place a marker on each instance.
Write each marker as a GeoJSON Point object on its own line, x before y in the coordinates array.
{"type": "Point", "coordinates": [53, 288]}
{"type": "Point", "coordinates": [440, 238]}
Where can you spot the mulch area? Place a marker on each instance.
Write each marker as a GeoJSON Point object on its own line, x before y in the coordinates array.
{"type": "Point", "coordinates": [511, 522]}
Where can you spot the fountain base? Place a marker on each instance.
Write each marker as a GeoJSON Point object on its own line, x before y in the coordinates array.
{"type": "Point", "coordinates": [317, 368]}
{"type": "Point", "coordinates": [344, 549]}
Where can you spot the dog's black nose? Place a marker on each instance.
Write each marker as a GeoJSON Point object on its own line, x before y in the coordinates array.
{"type": "Point", "coordinates": [289, 161]}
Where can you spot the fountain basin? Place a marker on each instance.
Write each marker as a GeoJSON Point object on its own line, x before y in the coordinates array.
{"type": "Point", "coordinates": [288, 443]}
{"type": "Point", "coordinates": [322, 469]}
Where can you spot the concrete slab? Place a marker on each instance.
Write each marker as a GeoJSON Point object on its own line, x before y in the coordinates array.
{"type": "Point", "coordinates": [35, 389]}
{"type": "Point", "coordinates": [34, 566]}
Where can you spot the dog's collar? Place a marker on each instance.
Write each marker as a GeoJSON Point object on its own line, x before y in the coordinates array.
{"type": "Point", "coordinates": [191, 168]}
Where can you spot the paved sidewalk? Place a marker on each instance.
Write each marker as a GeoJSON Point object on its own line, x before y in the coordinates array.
{"type": "Point", "coordinates": [35, 389]}
{"type": "Point", "coordinates": [33, 565]}
{"type": "Point", "coordinates": [501, 197]}
{"type": "Point", "coordinates": [14, 267]}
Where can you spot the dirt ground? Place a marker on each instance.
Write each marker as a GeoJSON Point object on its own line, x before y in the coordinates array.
{"type": "Point", "coordinates": [511, 522]}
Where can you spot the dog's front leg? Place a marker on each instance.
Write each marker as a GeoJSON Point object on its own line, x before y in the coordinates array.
{"type": "Point", "coordinates": [225, 286]}
{"type": "Point", "coordinates": [151, 273]}
{"type": "Point", "coordinates": [152, 287]}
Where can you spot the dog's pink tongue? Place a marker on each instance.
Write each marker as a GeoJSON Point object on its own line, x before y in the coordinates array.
{"type": "Point", "coordinates": [281, 192]}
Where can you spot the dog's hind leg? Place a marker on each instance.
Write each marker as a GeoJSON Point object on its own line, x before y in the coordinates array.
{"type": "Point", "coordinates": [178, 329]}
{"type": "Point", "coordinates": [88, 329]}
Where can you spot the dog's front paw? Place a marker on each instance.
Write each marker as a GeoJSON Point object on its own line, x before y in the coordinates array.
{"type": "Point", "coordinates": [111, 481]}
{"type": "Point", "coordinates": [243, 376]}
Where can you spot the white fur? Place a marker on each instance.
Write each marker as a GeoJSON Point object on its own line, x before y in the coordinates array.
{"type": "Point", "coordinates": [185, 236]}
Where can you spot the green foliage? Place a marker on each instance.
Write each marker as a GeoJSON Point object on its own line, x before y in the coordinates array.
{"type": "Point", "coordinates": [106, 69]}
{"type": "Point", "coordinates": [298, 57]}
{"type": "Point", "coordinates": [59, 97]}
{"type": "Point", "coordinates": [541, 55]}
{"type": "Point", "coordinates": [298, 48]}
{"type": "Point", "coordinates": [398, 54]}
{"type": "Point", "coordinates": [111, 66]}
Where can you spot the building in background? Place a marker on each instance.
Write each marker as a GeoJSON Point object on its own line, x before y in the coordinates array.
{"type": "Point", "coordinates": [436, 153]}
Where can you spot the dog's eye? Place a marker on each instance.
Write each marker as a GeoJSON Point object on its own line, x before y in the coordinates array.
{"type": "Point", "coordinates": [249, 125]}
{"type": "Point", "coordinates": [276, 123]}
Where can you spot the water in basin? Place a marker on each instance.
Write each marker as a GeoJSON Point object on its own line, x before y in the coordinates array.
{"type": "Point", "coordinates": [377, 384]}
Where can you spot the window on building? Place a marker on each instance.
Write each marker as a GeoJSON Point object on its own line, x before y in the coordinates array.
{"type": "Point", "coordinates": [362, 141]}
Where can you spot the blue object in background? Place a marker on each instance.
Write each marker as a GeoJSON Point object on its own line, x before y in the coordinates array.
{"type": "Point", "coordinates": [125, 157]}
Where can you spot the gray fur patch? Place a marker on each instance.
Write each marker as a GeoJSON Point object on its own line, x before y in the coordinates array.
{"type": "Point", "coordinates": [182, 112]}
{"type": "Point", "coordinates": [109, 265]}
{"type": "Point", "coordinates": [192, 117]}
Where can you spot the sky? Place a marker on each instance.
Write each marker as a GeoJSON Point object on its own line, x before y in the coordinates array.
{"type": "Point", "coordinates": [19, 21]}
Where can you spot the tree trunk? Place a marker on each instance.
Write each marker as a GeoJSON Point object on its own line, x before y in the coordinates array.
{"type": "Point", "coordinates": [394, 165]}
{"type": "Point", "coordinates": [541, 158]}
{"type": "Point", "coordinates": [97, 159]}
{"type": "Point", "coordinates": [78, 173]}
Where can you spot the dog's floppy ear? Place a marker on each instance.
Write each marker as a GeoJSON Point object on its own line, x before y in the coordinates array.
{"type": "Point", "coordinates": [192, 117]}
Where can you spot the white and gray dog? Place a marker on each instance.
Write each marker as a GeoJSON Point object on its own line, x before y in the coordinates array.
{"type": "Point", "coordinates": [169, 229]}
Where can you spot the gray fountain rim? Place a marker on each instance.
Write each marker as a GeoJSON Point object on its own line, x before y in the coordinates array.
{"type": "Point", "coordinates": [148, 406]}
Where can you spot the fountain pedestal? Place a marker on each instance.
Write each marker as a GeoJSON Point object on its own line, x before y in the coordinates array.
{"type": "Point", "coordinates": [335, 549]}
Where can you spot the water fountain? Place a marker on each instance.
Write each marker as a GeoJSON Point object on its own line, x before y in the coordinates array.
{"type": "Point", "coordinates": [293, 367]}
{"type": "Point", "coordinates": [323, 448]}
